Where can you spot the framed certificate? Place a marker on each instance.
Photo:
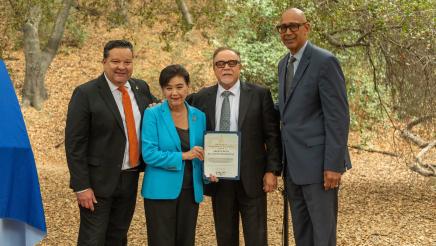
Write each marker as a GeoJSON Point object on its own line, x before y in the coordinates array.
{"type": "Point", "coordinates": [222, 154]}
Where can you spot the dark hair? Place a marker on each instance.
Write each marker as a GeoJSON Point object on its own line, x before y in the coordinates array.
{"type": "Point", "coordinates": [215, 53]}
{"type": "Point", "coordinates": [116, 44]}
{"type": "Point", "coordinates": [172, 71]}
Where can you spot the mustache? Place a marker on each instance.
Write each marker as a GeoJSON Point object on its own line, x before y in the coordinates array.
{"type": "Point", "coordinates": [289, 36]}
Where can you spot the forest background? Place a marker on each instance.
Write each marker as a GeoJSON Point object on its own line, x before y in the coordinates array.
{"type": "Point", "coordinates": [386, 48]}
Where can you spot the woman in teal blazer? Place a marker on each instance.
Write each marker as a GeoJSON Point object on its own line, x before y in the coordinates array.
{"type": "Point", "coordinates": [172, 140]}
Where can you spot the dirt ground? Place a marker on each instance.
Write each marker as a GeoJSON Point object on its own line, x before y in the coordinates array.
{"type": "Point", "coordinates": [382, 202]}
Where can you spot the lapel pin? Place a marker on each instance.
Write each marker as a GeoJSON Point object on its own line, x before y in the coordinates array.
{"type": "Point", "coordinates": [194, 118]}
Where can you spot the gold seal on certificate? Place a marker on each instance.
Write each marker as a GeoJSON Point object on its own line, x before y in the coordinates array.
{"type": "Point", "coordinates": [221, 155]}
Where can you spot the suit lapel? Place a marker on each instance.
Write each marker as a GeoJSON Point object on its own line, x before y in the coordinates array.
{"type": "Point", "coordinates": [169, 124]}
{"type": "Point", "coordinates": [211, 105]}
{"type": "Point", "coordinates": [304, 63]}
{"type": "Point", "coordinates": [282, 72]}
{"type": "Point", "coordinates": [192, 120]}
{"type": "Point", "coordinates": [140, 99]}
{"type": "Point", "coordinates": [244, 103]}
{"type": "Point", "coordinates": [109, 99]}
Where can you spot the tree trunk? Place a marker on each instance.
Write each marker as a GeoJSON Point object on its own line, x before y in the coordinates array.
{"type": "Point", "coordinates": [187, 17]}
{"type": "Point", "coordinates": [32, 54]}
{"type": "Point", "coordinates": [37, 60]}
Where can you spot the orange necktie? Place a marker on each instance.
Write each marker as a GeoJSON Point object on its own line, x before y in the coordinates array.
{"type": "Point", "coordinates": [131, 129]}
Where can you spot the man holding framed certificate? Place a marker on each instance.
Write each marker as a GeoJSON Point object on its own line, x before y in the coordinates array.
{"type": "Point", "coordinates": [242, 149]}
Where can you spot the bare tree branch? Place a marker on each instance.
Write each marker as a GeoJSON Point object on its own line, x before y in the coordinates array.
{"type": "Point", "coordinates": [418, 121]}
{"type": "Point", "coordinates": [425, 150]}
{"type": "Point", "coordinates": [342, 30]}
{"type": "Point", "coordinates": [425, 169]}
{"type": "Point", "coordinates": [185, 12]}
{"type": "Point", "coordinates": [409, 135]}
{"type": "Point", "coordinates": [359, 147]}
{"type": "Point", "coordinates": [375, 81]}
{"type": "Point", "coordinates": [333, 41]}
{"type": "Point", "coordinates": [58, 30]}
{"type": "Point", "coordinates": [414, 138]}
{"type": "Point", "coordinates": [359, 41]}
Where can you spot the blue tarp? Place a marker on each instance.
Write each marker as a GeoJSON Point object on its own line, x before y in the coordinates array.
{"type": "Point", "coordinates": [22, 220]}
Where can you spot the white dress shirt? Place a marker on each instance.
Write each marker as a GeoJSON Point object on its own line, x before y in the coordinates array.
{"type": "Point", "coordinates": [234, 105]}
{"type": "Point", "coordinates": [298, 56]}
{"type": "Point", "coordinates": [136, 114]}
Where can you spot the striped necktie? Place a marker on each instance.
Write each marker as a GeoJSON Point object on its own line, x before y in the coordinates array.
{"type": "Point", "coordinates": [289, 75]}
{"type": "Point", "coordinates": [225, 112]}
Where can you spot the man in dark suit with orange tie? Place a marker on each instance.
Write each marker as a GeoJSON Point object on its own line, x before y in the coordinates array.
{"type": "Point", "coordinates": [102, 147]}
{"type": "Point", "coordinates": [235, 105]}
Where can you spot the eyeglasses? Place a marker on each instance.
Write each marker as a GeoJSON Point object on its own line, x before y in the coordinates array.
{"type": "Point", "coordinates": [283, 28]}
{"type": "Point", "coordinates": [222, 64]}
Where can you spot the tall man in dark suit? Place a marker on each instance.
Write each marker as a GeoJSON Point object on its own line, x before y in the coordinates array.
{"type": "Point", "coordinates": [314, 116]}
{"type": "Point", "coordinates": [102, 147]}
{"type": "Point", "coordinates": [252, 113]}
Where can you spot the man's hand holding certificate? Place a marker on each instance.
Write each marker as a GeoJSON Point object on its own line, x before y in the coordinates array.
{"type": "Point", "coordinates": [221, 157]}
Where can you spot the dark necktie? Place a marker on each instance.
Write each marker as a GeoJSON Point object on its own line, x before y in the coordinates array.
{"type": "Point", "coordinates": [225, 112]}
{"type": "Point", "coordinates": [131, 128]}
{"type": "Point", "coordinates": [289, 75]}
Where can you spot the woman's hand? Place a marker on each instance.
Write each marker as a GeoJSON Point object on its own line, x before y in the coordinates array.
{"type": "Point", "coordinates": [195, 152]}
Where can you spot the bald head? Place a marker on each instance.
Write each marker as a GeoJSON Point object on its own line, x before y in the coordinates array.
{"type": "Point", "coordinates": [298, 14]}
{"type": "Point", "coordinates": [294, 29]}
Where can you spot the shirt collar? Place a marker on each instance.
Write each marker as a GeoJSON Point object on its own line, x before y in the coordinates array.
{"type": "Point", "coordinates": [299, 53]}
{"type": "Point", "coordinates": [113, 87]}
{"type": "Point", "coordinates": [234, 89]}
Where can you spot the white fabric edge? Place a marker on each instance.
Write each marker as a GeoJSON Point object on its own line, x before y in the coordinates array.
{"type": "Point", "coordinates": [18, 233]}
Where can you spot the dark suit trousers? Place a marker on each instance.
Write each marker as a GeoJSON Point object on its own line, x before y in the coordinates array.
{"type": "Point", "coordinates": [314, 213]}
{"type": "Point", "coordinates": [110, 221]}
{"type": "Point", "coordinates": [172, 222]}
{"type": "Point", "coordinates": [229, 201]}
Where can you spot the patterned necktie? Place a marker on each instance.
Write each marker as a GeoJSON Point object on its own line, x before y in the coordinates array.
{"type": "Point", "coordinates": [225, 112]}
{"type": "Point", "coordinates": [289, 75]}
{"type": "Point", "coordinates": [131, 128]}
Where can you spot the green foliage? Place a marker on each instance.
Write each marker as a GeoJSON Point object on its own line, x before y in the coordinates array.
{"type": "Point", "coordinates": [208, 14]}
{"type": "Point", "coordinates": [386, 48]}
{"type": "Point", "coordinates": [260, 63]}
{"type": "Point", "coordinates": [116, 18]}
{"type": "Point", "coordinates": [250, 29]}
{"type": "Point", "coordinates": [395, 42]}
{"type": "Point", "coordinates": [49, 10]}
{"type": "Point", "coordinates": [75, 35]}
{"type": "Point", "coordinates": [150, 11]}
{"type": "Point", "coordinates": [365, 110]}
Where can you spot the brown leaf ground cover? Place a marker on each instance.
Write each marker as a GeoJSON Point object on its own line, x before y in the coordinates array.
{"type": "Point", "coordinates": [381, 201]}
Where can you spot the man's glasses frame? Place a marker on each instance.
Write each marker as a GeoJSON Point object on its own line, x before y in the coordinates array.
{"type": "Point", "coordinates": [231, 63]}
{"type": "Point", "coordinates": [283, 28]}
